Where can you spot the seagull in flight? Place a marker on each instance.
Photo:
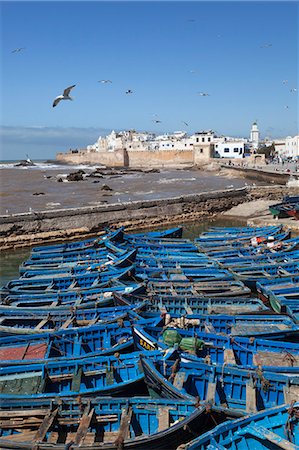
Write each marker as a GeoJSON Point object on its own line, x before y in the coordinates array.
{"type": "Point", "coordinates": [104, 81]}
{"type": "Point", "coordinates": [293, 90]}
{"type": "Point", "coordinates": [64, 96]}
{"type": "Point", "coordinates": [286, 107]}
{"type": "Point", "coordinates": [187, 125]}
{"type": "Point", "coordinates": [128, 91]}
{"type": "Point", "coordinates": [17, 50]}
{"type": "Point", "coordinates": [285, 81]}
{"type": "Point", "coordinates": [204, 94]}
{"type": "Point", "coordinates": [157, 121]}
{"type": "Point", "coordinates": [267, 45]}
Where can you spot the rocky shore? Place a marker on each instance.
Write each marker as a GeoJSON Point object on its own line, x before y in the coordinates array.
{"type": "Point", "coordinates": [34, 228]}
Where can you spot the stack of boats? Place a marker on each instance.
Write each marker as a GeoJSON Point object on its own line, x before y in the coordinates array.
{"type": "Point", "coordinates": [152, 341]}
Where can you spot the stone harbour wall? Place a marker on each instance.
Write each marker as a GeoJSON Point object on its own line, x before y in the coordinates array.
{"type": "Point", "coordinates": [21, 230]}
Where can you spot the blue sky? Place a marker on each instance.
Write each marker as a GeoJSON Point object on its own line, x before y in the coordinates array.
{"type": "Point", "coordinates": [165, 52]}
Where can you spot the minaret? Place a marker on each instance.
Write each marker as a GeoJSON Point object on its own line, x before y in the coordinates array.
{"type": "Point", "coordinates": [254, 135]}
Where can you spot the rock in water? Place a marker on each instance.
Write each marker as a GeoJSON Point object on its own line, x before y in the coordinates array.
{"type": "Point", "coordinates": [105, 187]}
{"type": "Point", "coordinates": [76, 176]}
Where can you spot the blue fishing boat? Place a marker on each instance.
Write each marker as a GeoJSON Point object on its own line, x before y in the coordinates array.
{"type": "Point", "coordinates": [211, 348]}
{"type": "Point", "coordinates": [257, 260]}
{"type": "Point", "coordinates": [179, 262]}
{"type": "Point", "coordinates": [104, 376]}
{"type": "Point", "coordinates": [183, 275]}
{"type": "Point", "coordinates": [238, 230]}
{"type": "Point", "coordinates": [263, 325]}
{"type": "Point", "coordinates": [250, 276]}
{"type": "Point", "coordinates": [125, 260]}
{"type": "Point", "coordinates": [276, 428]}
{"type": "Point", "coordinates": [66, 300]}
{"type": "Point", "coordinates": [52, 283]}
{"type": "Point", "coordinates": [173, 233]}
{"type": "Point", "coordinates": [24, 322]}
{"type": "Point", "coordinates": [287, 245]}
{"type": "Point", "coordinates": [230, 288]}
{"type": "Point", "coordinates": [180, 304]}
{"type": "Point", "coordinates": [260, 241]}
{"type": "Point", "coordinates": [104, 423]}
{"type": "Point", "coordinates": [224, 234]}
{"type": "Point", "coordinates": [113, 236]}
{"type": "Point", "coordinates": [231, 387]}
{"type": "Point", "coordinates": [76, 344]}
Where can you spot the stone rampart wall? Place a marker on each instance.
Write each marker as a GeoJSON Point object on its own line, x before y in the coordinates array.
{"type": "Point", "coordinates": [19, 230]}
{"type": "Point", "coordinates": [110, 159]}
{"type": "Point", "coordinates": [160, 158]}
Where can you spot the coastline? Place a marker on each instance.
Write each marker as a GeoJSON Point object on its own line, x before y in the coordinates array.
{"type": "Point", "coordinates": [27, 229]}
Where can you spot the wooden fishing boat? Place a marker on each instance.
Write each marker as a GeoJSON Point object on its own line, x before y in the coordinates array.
{"type": "Point", "coordinates": [257, 260]}
{"type": "Point", "coordinates": [259, 241]}
{"type": "Point", "coordinates": [66, 300]}
{"type": "Point", "coordinates": [104, 376]}
{"type": "Point", "coordinates": [52, 283]}
{"type": "Point", "coordinates": [230, 288]}
{"type": "Point", "coordinates": [183, 275]}
{"type": "Point", "coordinates": [242, 233]}
{"type": "Point", "coordinates": [22, 322]}
{"type": "Point", "coordinates": [172, 233]}
{"type": "Point", "coordinates": [266, 286]}
{"type": "Point", "coordinates": [238, 230]}
{"type": "Point", "coordinates": [76, 344]}
{"type": "Point", "coordinates": [174, 263]}
{"type": "Point", "coordinates": [276, 428]}
{"type": "Point", "coordinates": [104, 423]}
{"type": "Point", "coordinates": [275, 247]}
{"type": "Point", "coordinates": [84, 254]}
{"type": "Point", "coordinates": [113, 236]}
{"type": "Point", "coordinates": [250, 276]}
{"type": "Point", "coordinates": [263, 325]}
{"type": "Point", "coordinates": [27, 270]}
{"type": "Point", "coordinates": [211, 348]}
{"type": "Point", "coordinates": [280, 210]}
{"type": "Point", "coordinates": [294, 211]}
{"type": "Point", "coordinates": [180, 304]}
{"type": "Point", "coordinates": [231, 387]}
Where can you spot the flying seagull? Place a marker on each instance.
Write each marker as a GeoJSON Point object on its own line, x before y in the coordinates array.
{"type": "Point", "coordinates": [204, 94]}
{"type": "Point", "coordinates": [267, 45]}
{"type": "Point", "coordinates": [187, 125]}
{"type": "Point", "coordinates": [293, 90]}
{"type": "Point", "coordinates": [157, 121]}
{"type": "Point", "coordinates": [286, 107]}
{"type": "Point", "coordinates": [17, 50]}
{"type": "Point", "coordinates": [285, 82]}
{"type": "Point", "coordinates": [129, 91]}
{"type": "Point", "coordinates": [104, 81]}
{"type": "Point", "coordinates": [64, 96]}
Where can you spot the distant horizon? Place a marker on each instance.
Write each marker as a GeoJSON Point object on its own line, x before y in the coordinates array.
{"type": "Point", "coordinates": [66, 137]}
{"type": "Point", "coordinates": [220, 64]}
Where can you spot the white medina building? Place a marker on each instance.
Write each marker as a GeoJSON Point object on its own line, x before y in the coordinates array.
{"type": "Point", "coordinates": [123, 139]}
{"type": "Point", "coordinates": [179, 140]}
{"type": "Point", "coordinates": [292, 147]}
{"type": "Point", "coordinates": [229, 148]}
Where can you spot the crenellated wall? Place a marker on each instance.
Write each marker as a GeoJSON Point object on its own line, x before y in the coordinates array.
{"type": "Point", "coordinates": [134, 158]}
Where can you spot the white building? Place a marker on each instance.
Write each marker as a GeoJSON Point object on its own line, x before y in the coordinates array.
{"type": "Point", "coordinates": [254, 136]}
{"type": "Point", "coordinates": [292, 147]}
{"type": "Point", "coordinates": [230, 148]}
